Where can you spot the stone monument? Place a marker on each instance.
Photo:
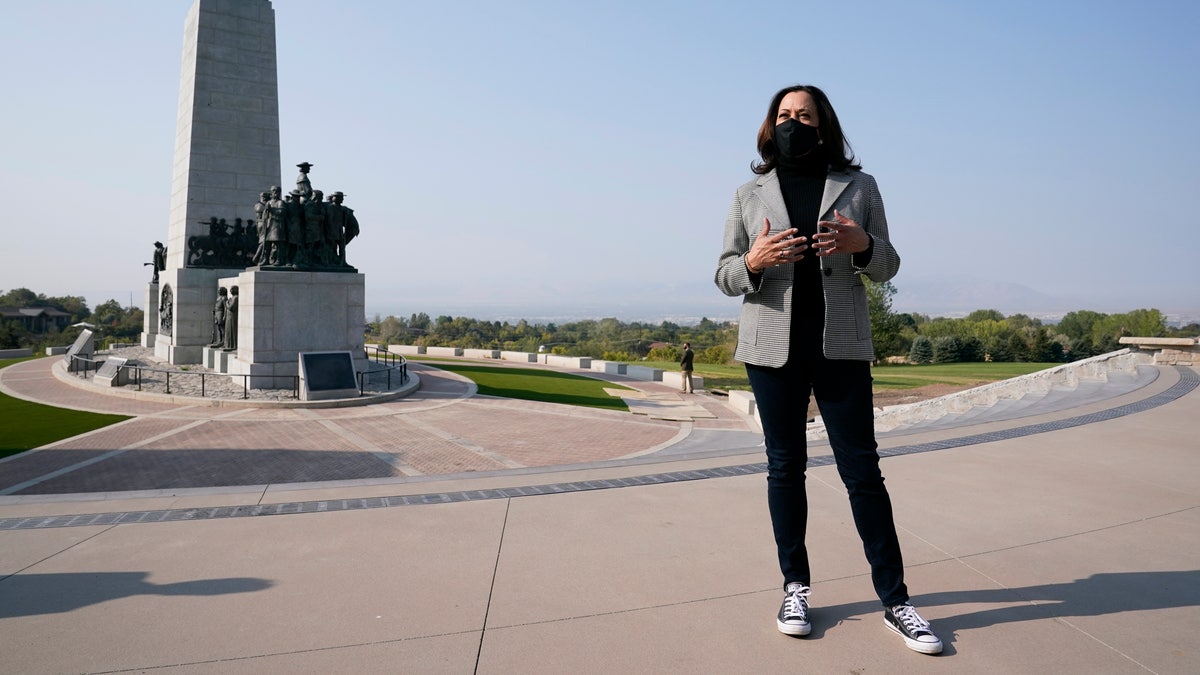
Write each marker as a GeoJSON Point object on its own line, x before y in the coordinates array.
{"type": "Point", "coordinates": [226, 150]}
{"type": "Point", "coordinates": [253, 275]}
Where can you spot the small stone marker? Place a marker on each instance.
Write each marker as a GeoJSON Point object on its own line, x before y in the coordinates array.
{"type": "Point", "coordinates": [84, 347]}
{"type": "Point", "coordinates": [111, 373]}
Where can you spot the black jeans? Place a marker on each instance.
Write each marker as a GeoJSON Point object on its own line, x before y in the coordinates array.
{"type": "Point", "coordinates": [843, 393]}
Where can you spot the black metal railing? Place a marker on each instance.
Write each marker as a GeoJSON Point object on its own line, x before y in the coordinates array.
{"type": "Point", "coordinates": [391, 362]}
{"type": "Point", "coordinates": [81, 365]}
{"type": "Point", "coordinates": [393, 365]}
{"type": "Point", "coordinates": [137, 370]}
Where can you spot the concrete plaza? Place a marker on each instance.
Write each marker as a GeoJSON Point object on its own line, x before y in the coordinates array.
{"type": "Point", "coordinates": [449, 532]}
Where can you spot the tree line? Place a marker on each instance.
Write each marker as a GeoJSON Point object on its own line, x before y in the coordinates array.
{"type": "Point", "coordinates": [988, 335]}
{"type": "Point", "coordinates": [983, 335]}
{"type": "Point", "coordinates": [113, 322]}
{"type": "Point", "coordinates": [607, 338]}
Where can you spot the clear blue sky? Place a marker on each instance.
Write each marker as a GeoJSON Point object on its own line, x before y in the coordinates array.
{"type": "Point", "coordinates": [548, 158]}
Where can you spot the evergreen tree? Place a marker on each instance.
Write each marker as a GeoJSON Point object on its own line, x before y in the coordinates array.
{"type": "Point", "coordinates": [971, 350]}
{"type": "Point", "coordinates": [998, 350]}
{"type": "Point", "coordinates": [947, 349]}
{"type": "Point", "coordinates": [921, 351]}
{"type": "Point", "coordinates": [1018, 347]}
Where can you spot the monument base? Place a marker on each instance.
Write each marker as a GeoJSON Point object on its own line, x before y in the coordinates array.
{"type": "Point", "coordinates": [193, 291]}
{"type": "Point", "coordinates": [177, 354]}
{"type": "Point", "coordinates": [283, 313]}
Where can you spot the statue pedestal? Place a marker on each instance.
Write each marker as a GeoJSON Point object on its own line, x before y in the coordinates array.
{"type": "Point", "coordinates": [217, 359]}
{"type": "Point", "coordinates": [284, 313]}
{"type": "Point", "coordinates": [150, 316]}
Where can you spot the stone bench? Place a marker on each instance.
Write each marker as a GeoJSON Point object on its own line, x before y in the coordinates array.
{"type": "Point", "coordinates": [443, 351]}
{"type": "Point", "coordinates": [481, 353]}
{"type": "Point", "coordinates": [743, 402]}
{"type": "Point", "coordinates": [519, 357]}
{"type": "Point", "coordinates": [1167, 351]}
{"type": "Point", "coordinates": [644, 373]}
{"type": "Point", "coordinates": [406, 350]}
{"type": "Point", "coordinates": [20, 353]}
{"type": "Point", "coordinates": [608, 367]}
{"type": "Point", "coordinates": [674, 378]}
{"type": "Point", "coordinates": [561, 361]}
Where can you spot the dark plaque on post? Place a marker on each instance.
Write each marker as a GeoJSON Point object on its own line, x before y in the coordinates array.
{"type": "Point", "coordinates": [326, 375]}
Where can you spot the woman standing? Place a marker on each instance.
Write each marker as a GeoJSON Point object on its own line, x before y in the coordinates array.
{"type": "Point", "coordinates": [798, 239]}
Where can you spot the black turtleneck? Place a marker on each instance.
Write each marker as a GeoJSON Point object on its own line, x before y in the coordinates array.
{"type": "Point", "coordinates": [803, 184]}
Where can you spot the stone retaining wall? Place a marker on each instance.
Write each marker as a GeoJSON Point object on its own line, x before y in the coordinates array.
{"type": "Point", "coordinates": [1065, 375]}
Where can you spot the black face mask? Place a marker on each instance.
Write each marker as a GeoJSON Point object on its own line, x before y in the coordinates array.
{"type": "Point", "coordinates": [796, 140]}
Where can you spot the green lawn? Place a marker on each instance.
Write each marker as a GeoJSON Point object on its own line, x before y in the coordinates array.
{"type": "Point", "coordinates": [532, 384]}
{"type": "Point", "coordinates": [912, 376]}
{"type": "Point", "coordinates": [30, 425]}
{"type": "Point", "coordinates": [886, 377]}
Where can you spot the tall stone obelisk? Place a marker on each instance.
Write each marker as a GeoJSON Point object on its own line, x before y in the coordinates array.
{"type": "Point", "coordinates": [226, 153]}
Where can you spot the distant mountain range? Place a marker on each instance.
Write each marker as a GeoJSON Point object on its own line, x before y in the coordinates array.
{"type": "Point", "coordinates": [686, 303]}
{"type": "Point", "coordinates": [956, 297]}
{"type": "Point", "coordinates": [953, 297]}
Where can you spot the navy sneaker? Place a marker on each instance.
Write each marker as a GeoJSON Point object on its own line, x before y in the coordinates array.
{"type": "Point", "coordinates": [793, 613]}
{"type": "Point", "coordinates": [918, 636]}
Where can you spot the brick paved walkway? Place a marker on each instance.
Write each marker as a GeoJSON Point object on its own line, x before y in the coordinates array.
{"type": "Point", "coordinates": [443, 428]}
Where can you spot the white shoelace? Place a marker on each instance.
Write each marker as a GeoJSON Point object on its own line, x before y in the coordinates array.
{"type": "Point", "coordinates": [796, 603]}
{"type": "Point", "coordinates": [907, 614]}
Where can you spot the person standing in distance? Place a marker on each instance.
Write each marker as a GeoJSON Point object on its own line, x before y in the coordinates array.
{"type": "Point", "coordinates": [798, 239]}
{"type": "Point", "coordinates": [685, 366]}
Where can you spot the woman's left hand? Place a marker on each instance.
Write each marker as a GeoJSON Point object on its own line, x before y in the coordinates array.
{"type": "Point", "coordinates": [840, 235]}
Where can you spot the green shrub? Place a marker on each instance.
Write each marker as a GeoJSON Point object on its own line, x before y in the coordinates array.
{"type": "Point", "coordinates": [668, 353]}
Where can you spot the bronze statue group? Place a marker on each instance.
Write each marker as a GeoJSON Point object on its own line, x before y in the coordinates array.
{"type": "Point", "coordinates": [299, 230]}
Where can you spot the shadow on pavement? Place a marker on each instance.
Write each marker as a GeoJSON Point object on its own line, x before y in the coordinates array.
{"type": "Point", "coordinates": [33, 594]}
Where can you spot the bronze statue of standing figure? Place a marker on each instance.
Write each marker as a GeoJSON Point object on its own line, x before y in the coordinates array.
{"type": "Point", "coordinates": [274, 229]}
{"type": "Point", "coordinates": [231, 319]}
{"type": "Point", "coordinates": [219, 316]}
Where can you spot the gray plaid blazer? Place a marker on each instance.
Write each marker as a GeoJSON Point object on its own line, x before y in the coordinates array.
{"type": "Point", "coordinates": [766, 319]}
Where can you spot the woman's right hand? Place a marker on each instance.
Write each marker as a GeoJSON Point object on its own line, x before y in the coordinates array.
{"type": "Point", "coordinates": [772, 250]}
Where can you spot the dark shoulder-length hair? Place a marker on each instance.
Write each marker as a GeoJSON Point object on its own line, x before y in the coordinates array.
{"type": "Point", "coordinates": [833, 142]}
